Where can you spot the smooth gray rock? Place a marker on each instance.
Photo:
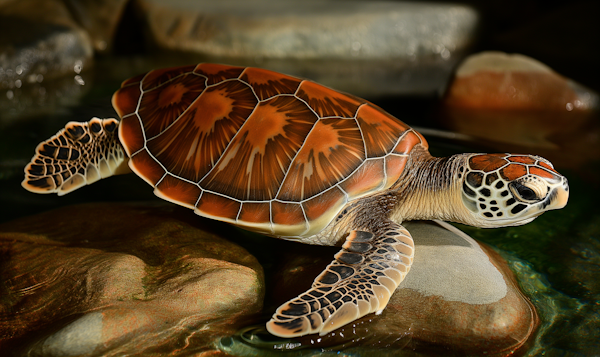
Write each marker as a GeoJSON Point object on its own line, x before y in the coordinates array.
{"type": "Point", "coordinates": [310, 28]}
{"type": "Point", "coordinates": [450, 264]}
{"type": "Point", "coordinates": [367, 48]}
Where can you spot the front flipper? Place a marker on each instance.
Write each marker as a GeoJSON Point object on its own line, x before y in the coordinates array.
{"type": "Point", "coordinates": [78, 155]}
{"type": "Point", "coordinates": [359, 281]}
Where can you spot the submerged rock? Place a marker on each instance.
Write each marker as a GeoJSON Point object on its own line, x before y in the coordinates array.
{"type": "Point", "coordinates": [121, 278]}
{"type": "Point", "coordinates": [459, 298]}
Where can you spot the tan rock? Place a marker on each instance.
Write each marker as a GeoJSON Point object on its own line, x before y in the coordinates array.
{"type": "Point", "coordinates": [121, 278]}
{"type": "Point", "coordinates": [496, 80]}
{"type": "Point", "coordinates": [515, 103]}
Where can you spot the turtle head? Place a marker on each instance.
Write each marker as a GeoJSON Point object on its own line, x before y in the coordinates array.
{"type": "Point", "coordinates": [510, 190]}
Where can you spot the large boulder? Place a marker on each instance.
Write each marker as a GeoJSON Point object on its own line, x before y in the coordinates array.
{"type": "Point", "coordinates": [124, 278]}
{"type": "Point", "coordinates": [368, 48]}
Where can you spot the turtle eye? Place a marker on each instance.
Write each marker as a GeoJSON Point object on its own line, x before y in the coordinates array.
{"type": "Point", "coordinates": [524, 192]}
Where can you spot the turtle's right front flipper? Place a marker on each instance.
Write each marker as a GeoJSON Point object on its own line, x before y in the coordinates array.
{"type": "Point", "coordinates": [359, 281]}
{"type": "Point", "coordinates": [78, 155]}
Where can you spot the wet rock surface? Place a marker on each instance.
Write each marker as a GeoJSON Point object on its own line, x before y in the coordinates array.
{"type": "Point", "coordinates": [367, 48]}
{"type": "Point", "coordinates": [40, 38]}
{"type": "Point", "coordinates": [121, 279]}
{"type": "Point", "coordinates": [459, 298]}
{"type": "Point", "coordinates": [42, 54]}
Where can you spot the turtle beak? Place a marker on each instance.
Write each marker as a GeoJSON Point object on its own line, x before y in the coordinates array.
{"type": "Point", "coordinates": [559, 196]}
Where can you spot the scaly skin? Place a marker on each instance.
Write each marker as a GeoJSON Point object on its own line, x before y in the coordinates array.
{"type": "Point", "coordinates": [431, 188]}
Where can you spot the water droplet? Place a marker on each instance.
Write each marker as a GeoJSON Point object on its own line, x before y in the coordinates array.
{"type": "Point", "coordinates": [445, 54]}
{"type": "Point", "coordinates": [18, 83]}
{"type": "Point", "coordinates": [78, 66]}
{"type": "Point", "coordinates": [569, 106]}
{"type": "Point", "coordinates": [39, 78]}
{"type": "Point", "coordinates": [10, 95]}
{"type": "Point", "coordinates": [79, 80]}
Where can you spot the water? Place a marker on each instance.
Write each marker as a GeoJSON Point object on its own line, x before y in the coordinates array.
{"type": "Point", "coordinates": [556, 258]}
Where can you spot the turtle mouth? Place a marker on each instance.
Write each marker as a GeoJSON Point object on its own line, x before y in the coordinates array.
{"type": "Point", "coordinates": [558, 198]}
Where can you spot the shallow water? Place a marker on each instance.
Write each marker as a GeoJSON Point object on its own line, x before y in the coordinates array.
{"type": "Point", "coordinates": [556, 258]}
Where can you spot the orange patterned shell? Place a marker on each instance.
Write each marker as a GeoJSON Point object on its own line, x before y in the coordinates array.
{"type": "Point", "coordinates": [262, 150]}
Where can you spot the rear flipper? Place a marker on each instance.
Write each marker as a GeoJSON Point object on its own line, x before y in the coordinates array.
{"type": "Point", "coordinates": [78, 155]}
{"type": "Point", "coordinates": [359, 281]}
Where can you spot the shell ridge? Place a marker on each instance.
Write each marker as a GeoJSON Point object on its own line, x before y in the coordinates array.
{"type": "Point", "coordinates": [239, 130]}
{"type": "Point", "coordinates": [344, 191]}
{"type": "Point", "coordinates": [153, 158]}
{"type": "Point", "coordinates": [199, 197]}
{"type": "Point", "coordinates": [325, 117]}
{"type": "Point", "coordinates": [308, 135]}
{"type": "Point", "coordinates": [306, 224]}
{"type": "Point", "coordinates": [271, 216]}
{"type": "Point", "coordinates": [128, 115]}
{"type": "Point", "coordinates": [182, 113]}
{"type": "Point", "coordinates": [362, 135]}
{"type": "Point", "coordinates": [163, 83]}
{"type": "Point", "coordinates": [309, 107]}
{"type": "Point", "coordinates": [400, 139]}
{"type": "Point", "coordinates": [385, 175]}
{"type": "Point", "coordinates": [141, 149]}
{"type": "Point", "coordinates": [162, 178]}
{"type": "Point", "coordinates": [297, 89]}
{"type": "Point", "coordinates": [239, 78]}
{"type": "Point", "coordinates": [237, 217]}
{"type": "Point", "coordinates": [285, 175]}
{"type": "Point", "coordinates": [336, 184]}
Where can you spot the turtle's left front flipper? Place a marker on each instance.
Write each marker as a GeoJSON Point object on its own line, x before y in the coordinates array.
{"type": "Point", "coordinates": [78, 155]}
{"type": "Point", "coordinates": [359, 281]}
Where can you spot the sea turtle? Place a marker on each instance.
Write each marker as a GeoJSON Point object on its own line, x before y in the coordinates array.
{"type": "Point", "coordinates": [290, 158]}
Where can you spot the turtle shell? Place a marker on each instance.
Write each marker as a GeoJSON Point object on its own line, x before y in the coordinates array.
{"type": "Point", "coordinates": [265, 151]}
